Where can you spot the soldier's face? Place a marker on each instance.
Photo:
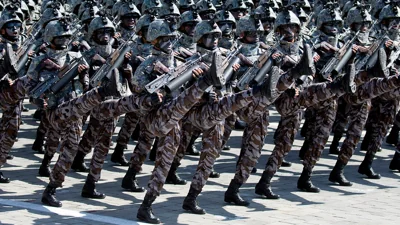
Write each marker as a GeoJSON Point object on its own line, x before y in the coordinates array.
{"type": "Point", "coordinates": [394, 24]}
{"type": "Point", "coordinates": [103, 36]}
{"type": "Point", "coordinates": [61, 42]}
{"type": "Point", "coordinates": [252, 37]}
{"type": "Point", "coordinates": [13, 29]}
{"type": "Point", "coordinates": [188, 28]}
{"type": "Point", "coordinates": [129, 21]}
{"type": "Point", "coordinates": [331, 28]}
{"type": "Point", "coordinates": [363, 27]}
{"type": "Point", "coordinates": [210, 41]}
{"type": "Point", "coordinates": [166, 43]}
{"type": "Point", "coordinates": [238, 13]}
{"type": "Point", "coordinates": [226, 27]}
{"type": "Point", "coordinates": [207, 15]}
{"type": "Point", "coordinates": [268, 24]}
{"type": "Point", "coordinates": [289, 32]}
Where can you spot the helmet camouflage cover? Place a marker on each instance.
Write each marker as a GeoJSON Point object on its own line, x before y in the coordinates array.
{"type": "Point", "coordinates": [56, 28]}
{"type": "Point", "coordinates": [159, 28]}
{"type": "Point", "coordinates": [205, 27]}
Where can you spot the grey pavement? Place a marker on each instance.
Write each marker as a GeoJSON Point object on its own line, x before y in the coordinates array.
{"type": "Point", "coordinates": [366, 202]}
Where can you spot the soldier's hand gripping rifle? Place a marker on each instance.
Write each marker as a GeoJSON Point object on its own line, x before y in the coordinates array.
{"type": "Point", "coordinates": [113, 62]}
{"type": "Point", "coordinates": [231, 59]}
{"type": "Point", "coordinates": [339, 60]}
{"type": "Point", "coordinates": [173, 79]}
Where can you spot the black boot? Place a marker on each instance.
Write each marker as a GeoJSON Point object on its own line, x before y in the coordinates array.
{"type": "Point", "coordinates": [232, 194]}
{"type": "Point", "coordinates": [263, 187]}
{"type": "Point", "coordinates": [10, 157]}
{"type": "Point", "coordinates": [130, 183]}
{"type": "Point", "coordinates": [254, 170]}
{"type": "Point", "coordinates": [393, 136]}
{"type": "Point", "coordinates": [3, 179]}
{"type": "Point", "coordinates": [226, 147]}
{"type": "Point", "coordinates": [89, 189]}
{"type": "Point", "coordinates": [38, 114]}
{"type": "Point", "coordinates": [173, 177]}
{"type": "Point", "coordinates": [191, 149]}
{"type": "Point", "coordinates": [153, 152]}
{"type": "Point", "coordinates": [366, 167]}
{"type": "Point", "coordinates": [334, 149]}
{"type": "Point", "coordinates": [395, 163]}
{"type": "Point", "coordinates": [304, 183]}
{"type": "Point", "coordinates": [240, 125]}
{"type": "Point", "coordinates": [338, 176]}
{"type": "Point", "coordinates": [79, 163]}
{"type": "Point", "coordinates": [145, 212]}
{"type": "Point", "coordinates": [190, 203]}
{"type": "Point", "coordinates": [38, 145]}
{"type": "Point", "coordinates": [44, 169]}
{"type": "Point", "coordinates": [118, 156]}
{"type": "Point", "coordinates": [49, 196]}
{"type": "Point", "coordinates": [304, 149]}
{"type": "Point", "coordinates": [286, 163]}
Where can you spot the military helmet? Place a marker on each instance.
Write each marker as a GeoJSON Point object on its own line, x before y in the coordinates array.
{"type": "Point", "coordinates": [185, 3]}
{"type": "Point", "coordinates": [286, 17]}
{"type": "Point", "coordinates": [144, 21]}
{"type": "Point", "coordinates": [328, 15]}
{"type": "Point", "coordinates": [389, 12]}
{"type": "Point", "coordinates": [16, 9]}
{"type": "Point", "coordinates": [151, 5]}
{"type": "Point", "coordinates": [99, 23]}
{"type": "Point", "coordinates": [218, 4]}
{"type": "Point", "coordinates": [115, 8]}
{"type": "Point", "coordinates": [203, 6]}
{"type": "Point", "coordinates": [358, 14]}
{"type": "Point", "coordinates": [168, 9]}
{"type": "Point", "coordinates": [265, 12]}
{"type": "Point", "coordinates": [53, 4]}
{"type": "Point", "coordinates": [89, 13]}
{"type": "Point", "coordinates": [224, 16]}
{"type": "Point", "coordinates": [50, 14]}
{"type": "Point", "coordinates": [235, 4]}
{"type": "Point", "coordinates": [9, 16]}
{"type": "Point", "coordinates": [128, 8]}
{"type": "Point", "coordinates": [159, 28]}
{"type": "Point", "coordinates": [203, 28]}
{"type": "Point", "coordinates": [249, 4]}
{"type": "Point", "coordinates": [56, 28]}
{"type": "Point", "coordinates": [270, 3]}
{"type": "Point", "coordinates": [189, 16]}
{"type": "Point", "coordinates": [247, 24]}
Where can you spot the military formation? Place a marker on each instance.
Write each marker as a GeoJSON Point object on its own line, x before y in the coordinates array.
{"type": "Point", "coordinates": [178, 69]}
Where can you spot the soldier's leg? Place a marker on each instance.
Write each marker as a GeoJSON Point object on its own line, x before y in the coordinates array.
{"type": "Point", "coordinates": [393, 136]}
{"type": "Point", "coordinates": [387, 113]}
{"type": "Point", "coordinates": [127, 128]}
{"type": "Point", "coordinates": [17, 91]}
{"type": "Point", "coordinates": [339, 126]}
{"type": "Point", "coordinates": [102, 144]}
{"type": "Point", "coordinates": [38, 145]}
{"type": "Point", "coordinates": [309, 131]}
{"type": "Point", "coordinates": [212, 139]}
{"type": "Point", "coordinates": [285, 134]}
{"type": "Point", "coordinates": [8, 134]}
{"type": "Point", "coordinates": [52, 142]}
{"type": "Point", "coordinates": [357, 117]}
{"type": "Point", "coordinates": [229, 125]}
{"type": "Point", "coordinates": [395, 163]}
{"type": "Point", "coordinates": [373, 116]}
{"type": "Point", "coordinates": [146, 139]}
{"type": "Point", "coordinates": [325, 117]}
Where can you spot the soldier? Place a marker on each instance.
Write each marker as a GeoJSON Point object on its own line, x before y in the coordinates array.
{"type": "Point", "coordinates": [185, 5]}
{"type": "Point", "coordinates": [238, 8]}
{"type": "Point", "coordinates": [393, 137]}
{"type": "Point", "coordinates": [206, 9]}
{"type": "Point", "coordinates": [128, 14]}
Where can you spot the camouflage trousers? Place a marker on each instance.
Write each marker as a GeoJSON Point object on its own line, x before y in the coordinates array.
{"type": "Point", "coordinates": [340, 123]}
{"type": "Point", "coordinates": [65, 121]}
{"type": "Point", "coordinates": [229, 125]}
{"type": "Point", "coordinates": [128, 126]}
{"type": "Point", "coordinates": [9, 126]}
{"type": "Point", "coordinates": [357, 117]}
{"type": "Point", "coordinates": [142, 148]}
{"type": "Point", "coordinates": [204, 117]}
{"type": "Point", "coordinates": [14, 94]}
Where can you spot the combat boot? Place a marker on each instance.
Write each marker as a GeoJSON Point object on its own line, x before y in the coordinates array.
{"type": "Point", "coordinates": [49, 196]}
{"type": "Point", "coordinates": [213, 77]}
{"type": "Point", "coordinates": [334, 149]}
{"type": "Point", "coordinates": [304, 148]}
{"type": "Point", "coordinates": [214, 174]}
{"type": "Point", "coordinates": [79, 163]}
{"type": "Point", "coordinates": [240, 124]}
{"type": "Point", "coordinates": [109, 88]}
{"type": "Point", "coordinates": [173, 177]}
{"type": "Point", "coordinates": [304, 183]}
{"type": "Point", "coordinates": [395, 163]}
{"type": "Point", "coordinates": [145, 212]}
{"type": "Point", "coordinates": [191, 149]}
{"type": "Point", "coordinates": [44, 169]}
{"type": "Point", "coordinates": [344, 84]}
{"type": "Point", "coordinates": [118, 156]}
{"type": "Point", "coordinates": [89, 189]}
{"type": "Point", "coordinates": [263, 187]}
{"type": "Point", "coordinates": [337, 174]}
{"type": "Point", "coordinates": [190, 203]}
{"type": "Point", "coordinates": [3, 179]}
{"type": "Point", "coordinates": [268, 87]}
{"type": "Point", "coordinates": [232, 194]}
{"type": "Point", "coordinates": [286, 163]}
{"type": "Point", "coordinates": [153, 151]}
{"type": "Point", "coordinates": [393, 136]}
{"type": "Point", "coordinates": [129, 181]}
{"type": "Point", "coordinates": [38, 145]}
{"type": "Point", "coordinates": [38, 114]}
{"type": "Point", "coordinates": [366, 167]}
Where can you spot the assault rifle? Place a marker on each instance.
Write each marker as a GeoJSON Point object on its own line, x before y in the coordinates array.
{"type": "Point", "coordinates": [231, 59]}
{"type": "Point", "coordinates": [369, 60]}
{"type": "Point", "coordinates": [113, 62]}
{"type": "Point", "coordinates": [29, 45]}
{"type": "Point", "coordinates": [173, 79]}
{"type": "Point", "coordinates": [394, 55]}
{"type": "Point", "coordinates": [64, 76]}
{"type": "Point", "coordinates": [339, 60]}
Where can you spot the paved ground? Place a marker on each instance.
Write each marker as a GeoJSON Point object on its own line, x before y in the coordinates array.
{"type": "Point", "coordinates": [366, 202]}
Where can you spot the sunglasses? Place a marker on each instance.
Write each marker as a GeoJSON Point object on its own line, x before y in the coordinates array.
{"type": "Point", "coordinates": [254, 33]}
{"type": "Point", "coordinates": [168, 38]}
{"type": "Point", "coordinates": [11, 25]}
{"type": "Point", "coordinates": [239, 10]}
{"type": "Point", "coordinates": [213, 36]}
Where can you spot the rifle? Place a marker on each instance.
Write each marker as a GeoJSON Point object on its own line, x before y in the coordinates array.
{"type": "Point", "coordinates": [172, 79]}
{"type": "Point", "coordinates": [370, 59]}
{"type": "Point", "coordinates": [231, 59]}
{"type": "Point", "coordinates": [64, 76]}
{"type": "Point", "coordinates": [28, 46]}
{"type": "Point", "coordinates": [339, 60]}
{"type": "Point", "coordinates": [113, 62]}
